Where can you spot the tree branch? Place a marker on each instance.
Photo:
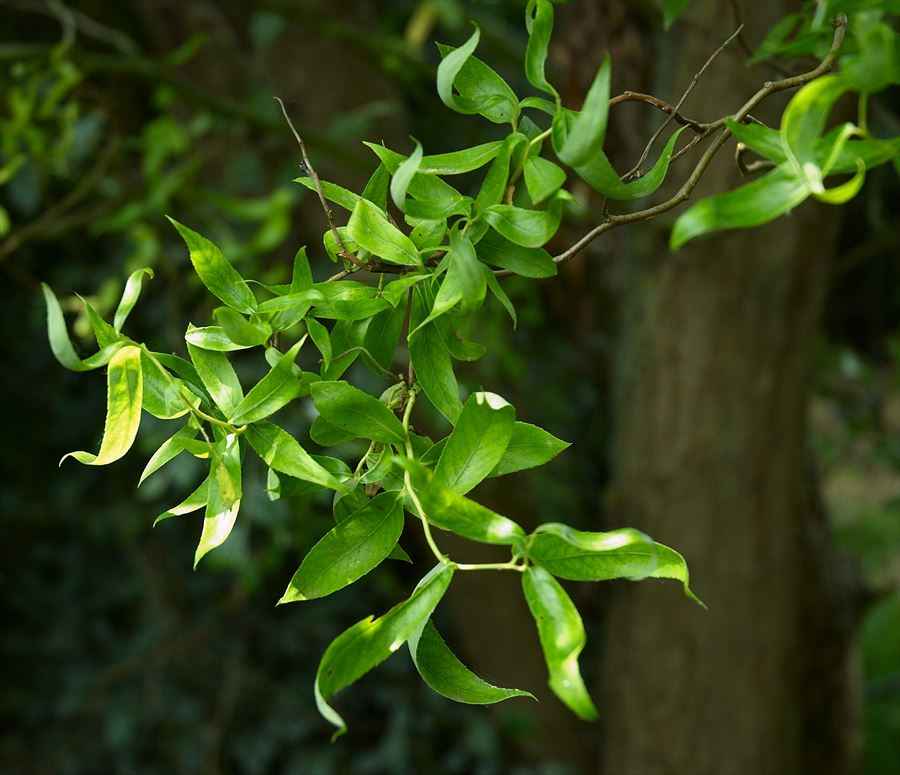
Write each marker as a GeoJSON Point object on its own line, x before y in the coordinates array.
{"type": "Point", "coordinates": [683, 193]}
{"type": "Point", "coordinates": [346, 254]}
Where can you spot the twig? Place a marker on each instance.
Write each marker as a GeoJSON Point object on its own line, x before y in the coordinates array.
{"type": "Point", "coordinates": [687, 92]}
{"type": "Point", "coordinates": [318, 184]}
{"type": "Point", "coordinates": [656, 102]}
{"type": "Point", "coordinates": [683, 193]}
{"type": "Point", "coordinates": [748, 168]}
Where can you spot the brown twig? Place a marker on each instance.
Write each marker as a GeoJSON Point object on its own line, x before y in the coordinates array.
{"type": "Point", "coordinates": [656, 102]}
{"type": "Point", "coordinates": [634, 171]}
{"type": "Point", "coordinates": [769, 87]}
{"type": "Point", "coordinates": [346, 254]}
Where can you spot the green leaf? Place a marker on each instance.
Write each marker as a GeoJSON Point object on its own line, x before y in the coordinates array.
{"type": "Point", "coordinates": [844, 192]}
{"type": "Point", "coordinates": [371, 229]}
{"type": "Point", "coordinates": [481, 89]}
{"type": "Point", "coordinates": [495, 182]}
{"type": "Point", "coordinates": [383, 335]}
{"type": "Point", "coordinates": [349, 550]}
{"type": "Point", "coordinates": [428, 234]}
{"type": "Point", "coordinates": [500, 295]}
{"type": "Point", "coordinates": [451, 511]}
{"type": "Point", "coordinates": [321, 339]}
{"type": "Point", "coordinates": [241, 331]}
{"type": "Point", "coordinates": [403, 176]}
{"type": "Point", "coordinates": [477, 443]}
{"type": "Point", "coordinates": [301, 277]}
{"type": "Point", "coordinates": [496, 250]}
{"type": "Point", "coordinates": [331, 191]}
{"type": "Point", "coordinates": [431, 359]}
{"type": "Point", "coordinates": [274, 391]}
{"type": "Point", "coordinates": [164, 396]}
{"type": "Point", "coordinates": [217, 274]}
{"type": "Point", "coordinates": [283, 453]}
{"type": "Point", "coordinates": [803, 122]}
{"type": "Point", "coordinates": [104, 334]}
{"type": "Point", "coordinates": [125, 389]}
{"type": "Point", "coordinates": [539, 22]}
{"type": "Point", "coordinates": [223, 496]}
{"type": "Point", "coordinates": [577, 555]}
{"type": "Point", "coordinates": [672, 9]}
{"type": "Point", "coordinates": [465, 282]}
{"type": "Point", "coordinates": [169, 450]}
{"type": "Point", "coordinates": [871, 152]}
{"type": "Point", "coordinates": [562, 637]}
{"type": "Point", "coordinates": [442, 670]}
{"type": "Point", "coordinates": [529, 228]}
{"type": "Point", "coordinates": [212, 338]}
{"type": "Point", "coordinates": [876, 65]}
{"type": "Point", "coordinates": [357, 412]}
{"type": "Point", "coordinates": [194, 502]}
{"type": "Point", "coordinates": [130, 296]}
{"type": "Point", "coordinates": [434, 198]}
{"type": "Point", "coordinates": [368, 643]}
{"type": "Point", "coordinates": [529, 446]}
{"type": "Point", "coordinates": [376, 190]}
{"type": "Point", "coordinates": [759, 139]}
{"type": "Point", "coordinates": [218, 377]}
{"type": "Point", "coordinates": [587, 131]}
{"type": "Point", "coordinates": [600, 175]}
{"type": "Point", "coordinates": [764, 199]}
{"type": "Point", "coordinates": [543, 178]}
{"type": "Point", "coordinates": [462, 161]}
{"type": "Point", "coordinates": [61, 345]}
{"type": "Point", "coordinates": [395, 291]}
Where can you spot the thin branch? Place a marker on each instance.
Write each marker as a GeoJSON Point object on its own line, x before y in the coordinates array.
{"type": "Point", "coordinates": [683, 193]}
{"type": "Point", "coordinates": [656, 102]}
{"type": "Point", "coordinates": [687, 93]}
{"type": "Point", "coordinates": [318, 185]}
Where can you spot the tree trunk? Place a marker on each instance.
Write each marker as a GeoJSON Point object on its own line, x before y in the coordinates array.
{"type": "Point", "coordinates": [710, 457]}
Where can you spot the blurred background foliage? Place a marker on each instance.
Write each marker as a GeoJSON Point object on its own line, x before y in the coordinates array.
{"type": "Point", "coordinates": [116, 656]}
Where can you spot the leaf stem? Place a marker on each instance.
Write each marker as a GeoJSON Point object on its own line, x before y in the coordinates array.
{"type": "Point", "coordinates": [407, 482]}
{"type": "Point", "coordinates": [512, 565]}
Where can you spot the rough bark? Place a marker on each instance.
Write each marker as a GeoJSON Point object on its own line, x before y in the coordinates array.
{"type": "Point", "coordinates": [710, 457]}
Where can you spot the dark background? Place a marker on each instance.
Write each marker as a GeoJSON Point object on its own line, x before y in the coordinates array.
{"type": "Point", "coordinates": [117, 658]}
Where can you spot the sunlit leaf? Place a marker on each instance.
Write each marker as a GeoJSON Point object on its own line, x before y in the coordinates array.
{"type": "Point", "coordinates": [529, 446]}
{"type": "Point", "coordinates": [349, 550]}
{"type": "Point", "coordinates": [477, 443]}
{"type": "Point", "coordinates": [775, 193]}
{"type": "Point", "coordinates": [274, 391]}
{"type": "Point", "coordinates": [562, 637]}
{"type": "Point", "coordinates": [442, 670]}
{"type": "Point", "coordinates": [194, 502]}
{"type": "Point", "coordinates": [123, 408]}
{"type": "Point", "coordinates": [451, 511]}
{"type": "Point", "coordinates": [130, 296]}
{"type": "Point", "coordinates": [577, 555]}
{"type": "Point", "coordinates": [218, 377]}
{"type": "Point", "coordinates": [223, 499]}
{"type": "Point", "coordinates": [169, 450]}
{"type": "Point", "coordinates": [356, 412]}
{"type": "Point", "coordinates": [217, 274]}
{"type": "Point", "coordinates": [371, 229]}
{"type": "Point", "coordinates": [401, 179]}
{"type": "Point", "coordinates": [282, 452]}
{"type": "Point", "coordinates": [368, 643]}
{"type": "Point", "coordinates": [61, 345]}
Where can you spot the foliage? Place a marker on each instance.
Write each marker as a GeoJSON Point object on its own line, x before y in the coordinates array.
{"type": "Point", "coordinates": [433, 278]}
